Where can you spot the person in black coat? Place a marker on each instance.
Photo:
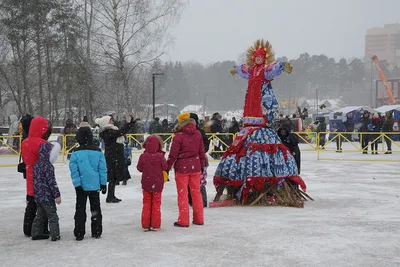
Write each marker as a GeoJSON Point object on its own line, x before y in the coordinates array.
{"type": "Point", "coordinates": [291, 141]}
{"type": "Point", "coordinates": [203, 178]}
{"type": "Point", "coordinates": [364, 138]}
{"type": "Point", "coordinates": [387, 127]}
{"type": "Point", "coordinates": [114, 139]}
{"type": "Point", "coordinates": [216, 127]}
{"type": "Point", "coordinates": [233, 129]}
{"type": "Point", "coordinates": [375, 126]}
{"type": "Point", "coordinates": [321, 128]}
{"type": "Point", "coordinates": [155, 126]}
{"type": "Point", "coordinates": [349, 126]}
{"type": "Point", "coordinates": [166, 131]}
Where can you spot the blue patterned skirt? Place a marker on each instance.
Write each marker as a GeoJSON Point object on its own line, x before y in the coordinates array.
{"type": "Point", "coordinates": [255, 159]}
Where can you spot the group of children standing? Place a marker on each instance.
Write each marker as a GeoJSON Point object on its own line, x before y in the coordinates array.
{"type": "Point", "coordinates": [91, 170]}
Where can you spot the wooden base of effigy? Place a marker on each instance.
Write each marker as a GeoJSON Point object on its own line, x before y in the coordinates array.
{"type": "Point", "coordinates": [287, 194]}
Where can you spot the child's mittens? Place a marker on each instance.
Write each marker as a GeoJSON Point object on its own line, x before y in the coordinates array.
{"type": "Point", "coordinates": [103, 188]}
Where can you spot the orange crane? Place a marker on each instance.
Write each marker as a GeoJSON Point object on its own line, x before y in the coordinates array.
{"type": "Point", "coordinates": [383, 79]}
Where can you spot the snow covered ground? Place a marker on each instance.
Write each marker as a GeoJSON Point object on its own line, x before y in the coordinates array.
{"type": "Point", "coordinates": [354, 221]}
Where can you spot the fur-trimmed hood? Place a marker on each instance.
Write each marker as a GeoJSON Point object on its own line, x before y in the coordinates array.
{"type": "Point", "coordinates": [181, 127]}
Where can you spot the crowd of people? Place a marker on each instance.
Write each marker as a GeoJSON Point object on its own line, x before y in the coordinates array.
{"type": "Point", "coordinates": [93, 171]}
{"type": "Point", "coordinates": [369, 125]}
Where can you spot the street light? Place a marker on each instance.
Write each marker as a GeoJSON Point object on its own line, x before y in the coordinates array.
{"type": "Point", "coordinates": [154, 92]}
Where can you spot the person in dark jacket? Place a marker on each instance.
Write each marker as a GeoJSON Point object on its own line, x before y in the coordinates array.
{"type": "Point", "coordinates": [375, 127]}
{"type": "Point", "coordinates": [321, 128]}
{"type": "Point", "coordinates": [188, 158]}
{"type": "Point", "coordinates": [291, 141]}
{"type": "Point", "coordinates": [47, 194]}
{"type": "Point", "coordinates": [216, 127]}
{"type": "Point", "coordinates": [233, 129]}
{"type": "Point", "coordinates": [155, 126]}
{"type": "Point", "coordinates": [349, 126]}
{"type": "Point", "coordinates": [152, 164]}
{"type": "Point", "coordinates": [166, 131]}
{"type": "Point", "coordinates": [114, 152]}
{"type": "Point", "coordinates": [203, 178]}
{"type": "Point", "coordinates": [364, 138]}
{"type": "Point", "coordinates": [89, 175]}
{"type": "Point", "coordinates": [387, 127]}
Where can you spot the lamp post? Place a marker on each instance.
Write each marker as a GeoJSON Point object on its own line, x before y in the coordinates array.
{"type": "Point", "coordinates": [154, 92]}
{"type": "Point", "coordinates": [316, 94]}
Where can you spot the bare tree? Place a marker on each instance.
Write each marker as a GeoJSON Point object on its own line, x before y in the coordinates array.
{"type": "Point", "coordinates": [134, 32]}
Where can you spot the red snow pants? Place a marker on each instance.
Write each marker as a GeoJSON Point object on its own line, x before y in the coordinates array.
{"type": "Point", "coordinates": [151, 212]}
{"type": "Point", "coordinates": [193, 181]}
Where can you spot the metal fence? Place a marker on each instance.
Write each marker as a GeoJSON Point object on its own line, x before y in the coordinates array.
{"type": "Point", "coordinates": [324, 143]}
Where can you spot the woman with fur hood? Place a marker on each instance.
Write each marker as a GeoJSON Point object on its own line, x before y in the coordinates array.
{"type": "Point", "coordinates": [114, 152]}
{"type": "Point", "coordinates": [188, 157]}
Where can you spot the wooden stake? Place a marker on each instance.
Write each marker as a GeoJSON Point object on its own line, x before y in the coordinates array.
{"type": "Point", "coordinates": [219, 193]}
{"type": "Point", "coordinates": [306, 195]}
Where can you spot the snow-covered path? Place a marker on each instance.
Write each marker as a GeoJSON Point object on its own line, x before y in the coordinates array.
{"type": "Point", "coordinates": [355, 221]}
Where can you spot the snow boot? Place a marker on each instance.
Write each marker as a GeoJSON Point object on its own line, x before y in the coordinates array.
{"type": "Point", "coordinates": [176, 224]}
{"type": "Point", "coordinates": [55, 238]}
{"type": "Point", "coordinates": [40, 237]}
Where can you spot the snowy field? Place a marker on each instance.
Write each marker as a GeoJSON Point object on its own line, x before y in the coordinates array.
{"type": "Point", "coordinates": [354, 221]}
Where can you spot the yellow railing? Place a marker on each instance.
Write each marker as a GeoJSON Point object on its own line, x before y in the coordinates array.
{"type": "Point", "coordinates": [351, 146]}
{"type": "Point", "coordinates": [219, 142]}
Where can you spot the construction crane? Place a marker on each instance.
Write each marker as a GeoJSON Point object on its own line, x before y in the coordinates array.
{"type": "Point", "coordinates": [383, 79]}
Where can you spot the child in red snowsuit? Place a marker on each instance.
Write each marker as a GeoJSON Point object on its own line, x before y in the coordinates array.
{"type": "Point", "coordinates": [152, 163]}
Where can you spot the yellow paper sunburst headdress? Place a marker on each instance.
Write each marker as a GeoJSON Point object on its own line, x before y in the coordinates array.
{"type": "Point", "coordinates": [260, 48]}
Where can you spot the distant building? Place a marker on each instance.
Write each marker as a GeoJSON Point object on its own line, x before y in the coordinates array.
{"type": "Point", "coordinates": [385, 43]}
{"type": "Point", "coordinates": [198, 109]}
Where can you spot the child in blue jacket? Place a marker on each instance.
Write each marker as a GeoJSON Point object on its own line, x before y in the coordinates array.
{"type": "Point", "coordinates": [89, 175]}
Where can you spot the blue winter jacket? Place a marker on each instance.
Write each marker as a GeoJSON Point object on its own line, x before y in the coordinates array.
{"type": "Point", "coordinates": [88, 168]}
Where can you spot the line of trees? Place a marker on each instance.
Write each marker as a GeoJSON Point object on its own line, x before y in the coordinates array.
{"type": "Point", "coordinates": [193, 83]}
{"type": "Point", "coordinates": [82, 57]}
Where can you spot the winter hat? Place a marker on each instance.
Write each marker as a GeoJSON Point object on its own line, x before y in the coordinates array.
{"type": "Point", "coordinates": [183, 117]}
{"type": "Point", "coordinates": [84, 136]}
{"type": "Point", "coordinates": [103, 121]}
{"type": "Point", "coordinates": [84, 123]}
{"type": "Point", "coordinates": [195, 117]}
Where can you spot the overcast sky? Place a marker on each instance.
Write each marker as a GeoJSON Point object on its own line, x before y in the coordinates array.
{"type": "Point", "coordinates": [217, 30]}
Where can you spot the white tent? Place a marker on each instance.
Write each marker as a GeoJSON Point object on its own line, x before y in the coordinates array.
{"type": "Point", "coordinates": [345, 110]}
{"type": "Point", "coordinates": [385, 108]}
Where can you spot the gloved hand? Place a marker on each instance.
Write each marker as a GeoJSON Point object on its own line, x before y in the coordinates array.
{"type": "Point", "coordinates": [103, 189]}
{"type": "Point", "coordinates": [288, 68]}
{"type": "Point", "coordinates": [233, 70]}
{"type": "Point", "coordinates": [79, 189]}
